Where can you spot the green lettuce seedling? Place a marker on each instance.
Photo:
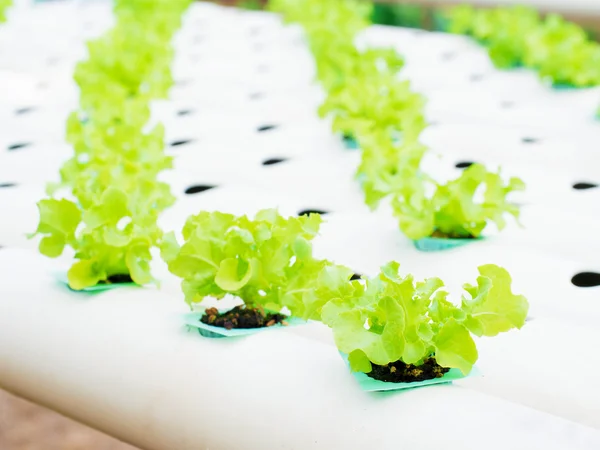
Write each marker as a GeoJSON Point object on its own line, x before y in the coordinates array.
{"type": "Point", "coordinates": [454, 210]}
{"type": "Point", "coordinates": [391, 318]}
{"type": "Point", "coordinates": [113, 237]}
{"type": "Point", "coordinates": [267, 261]}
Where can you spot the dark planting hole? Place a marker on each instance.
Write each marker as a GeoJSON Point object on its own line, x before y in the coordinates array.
{"type": "Point", "coordinates": [256, 96]}
{"type": "Point", "coordinates": [356, 276]}
{"type": "Point", "coordinates": [586, 279]}
{"type": "Point", "coordinates": [306, 212]}
{"type": "Point", "coordinates": [582, 186]}
{"type": "Point", "coordinates": [529, 140]}
{"type": "Point", "coordinates": [118, 278]}
{"type": "Point", "coordinates": [271, 161]}
{"type": "Point", "coordinates": [18, 146]}
{"type": "Point", "coordinates": [185, 112]}
{"type": "Point", "coordinates": [476, 77]}
{"type": "Point", "coordinates": [181, 142]}
{"type": "Point", "coordinates": [7, 185]}
{"type": "Point", "coordinates": [266, 128]}
{"type": "Point", "coordinates": [198, 188]}
{"type": "Point", "coordinates": [463, 164]}
{"type": "Point", "coordinates": [24, 110]}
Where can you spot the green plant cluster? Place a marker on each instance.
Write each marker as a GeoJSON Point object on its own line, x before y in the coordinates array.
{"type": "Point", "coordinates": [268, 262]}
{"type": "Point", "coordinates": [108, 215]}
{"type": "Point", "coordinates": [559, 50]}
{"type": "Point", "coordinates": [4, 5]}
{"type": "Point", "coordinates": [391, 318]}
{"type": "Point", "coordinates": [368, 101]}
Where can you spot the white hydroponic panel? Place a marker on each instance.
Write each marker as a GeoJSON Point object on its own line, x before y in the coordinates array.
{"type": "Point", "coordinates": [242, 125]}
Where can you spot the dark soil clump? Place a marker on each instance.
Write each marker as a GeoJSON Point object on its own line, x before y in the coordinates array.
{"type": "Point", "coordinates": [439, 234]}
{"type": "Point", "coordinates": [117, 279]}
{"type": "Point", "coordinates": [242, 317]}
{"type": "Point", "coordinates": [399, 372]}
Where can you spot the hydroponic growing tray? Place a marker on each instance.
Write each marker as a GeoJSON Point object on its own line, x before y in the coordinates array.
{"type": "Point", "coordinates": [241, 122]}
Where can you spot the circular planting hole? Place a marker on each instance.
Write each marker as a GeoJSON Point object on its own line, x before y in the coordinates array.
{"type": "Point", "coordinates": [463, 164]}
{"type": "Point", "coordinates": [586, 279]}
{"type": "Point", "coordinates": [185, 112]}
{"type": "Point", "coordinates": [266, 128]}
{"type": "Point", "coordinates": [7, 185]}
{"type": "Point", "coordinates": [272, 161]}
{"type": "Point", "coordinates": [181, 142]}
{"type": "Point", "coordinates": [583, 186]}
{"type": "Point", "coordinates": [529, 140]}
{"type": "Point", "coordinates": [18, 145]}
{"type": "Point", "coordinates": [306, 212]}
{"type": "Point", "coordinates": [24, 110]}
{"type": "Point", "coordinates": [196, 189]}
{"type": "Point", "coordinates": [356, 276]}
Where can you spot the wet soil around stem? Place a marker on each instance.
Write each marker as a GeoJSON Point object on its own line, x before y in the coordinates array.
{"type": "Point", "coordinates": [242, 317]}
{"type": "Point", "coordinates": [439, 234]}
{"type": "Point", "coordinates": [399, 372]}
{"type": "Point", "coordinates": [117, 279]}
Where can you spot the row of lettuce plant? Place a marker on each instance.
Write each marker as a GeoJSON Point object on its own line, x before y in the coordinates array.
{"type": "Point", "coordinates": [107, 202]}
{"type": "Point", "coordinates": [561, 51]}
{"type": "Point", "coordinates": [369, 103]}
{"type": "Point", "coordinates": [389, 327]}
